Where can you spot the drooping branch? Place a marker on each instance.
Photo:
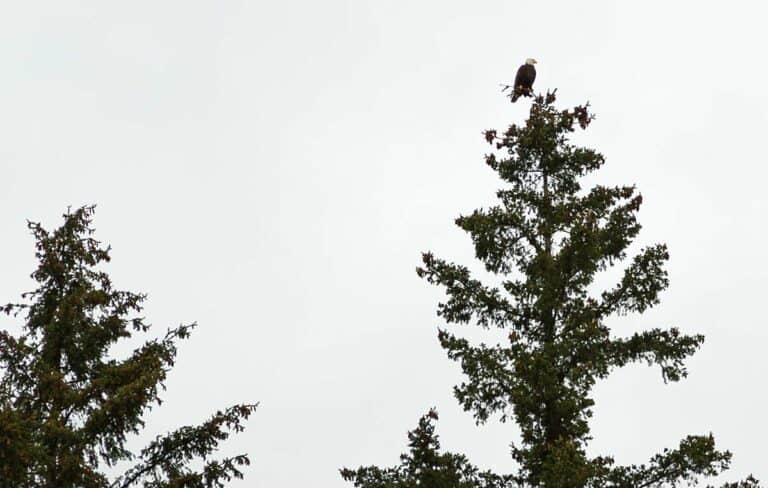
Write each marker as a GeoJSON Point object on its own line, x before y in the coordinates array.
{"type": "Point", "coordinates": [468, 298]}
{"type": "Point", "coordinates": [667, 348]}
{"type": "Point", "coordinates": [695, 456]}
{"type": "Point", "coordinates": [165, 461]}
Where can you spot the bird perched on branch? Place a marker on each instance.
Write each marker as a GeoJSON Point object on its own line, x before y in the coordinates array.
{"type": "Point", "coordinates": [526, 74]}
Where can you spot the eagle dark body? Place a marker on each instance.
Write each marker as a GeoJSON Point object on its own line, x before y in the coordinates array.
{"type": "Point", "coordinates": [526, 75]}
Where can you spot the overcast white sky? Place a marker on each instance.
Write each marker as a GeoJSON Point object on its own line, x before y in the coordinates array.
{"type": "Point", "coordinates": [273, 170]}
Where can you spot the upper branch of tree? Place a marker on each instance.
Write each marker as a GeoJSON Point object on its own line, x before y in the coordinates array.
{"type": "Point", "coordinates": [468, 297]}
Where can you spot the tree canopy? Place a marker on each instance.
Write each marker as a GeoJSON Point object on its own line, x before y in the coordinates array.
{"type": "Point", "coordinates": [68, 406]}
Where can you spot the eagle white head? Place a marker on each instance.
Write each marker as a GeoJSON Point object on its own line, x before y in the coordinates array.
{"type": "Point", "coordinates": [530, 61]}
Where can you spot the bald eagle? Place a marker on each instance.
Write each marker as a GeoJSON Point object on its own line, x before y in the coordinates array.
{"type": "Point", "coordinates": [526, 74]}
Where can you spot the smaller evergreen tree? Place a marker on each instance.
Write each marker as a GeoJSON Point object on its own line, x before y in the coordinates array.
{"type": "Point", "coordinates": [425, 466]}
{"type": "Point", "coordinates": [67, 406]}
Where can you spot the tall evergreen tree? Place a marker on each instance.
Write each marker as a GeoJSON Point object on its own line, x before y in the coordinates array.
{"type": "Point", "coordinates": [67, 406]}
{"type": "Point", "coordinates": [545, 241]}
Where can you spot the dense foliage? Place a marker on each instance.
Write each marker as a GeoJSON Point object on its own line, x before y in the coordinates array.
{"type": "Point", "coordinates": [545, 241]}
{"type": "Point", "coordinates": [425, 466]}
{"type": "Point", "coordinates": [67, 406]}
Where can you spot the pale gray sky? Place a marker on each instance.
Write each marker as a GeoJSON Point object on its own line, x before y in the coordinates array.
{"type": "Point", "coordinates": [273, 170]}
